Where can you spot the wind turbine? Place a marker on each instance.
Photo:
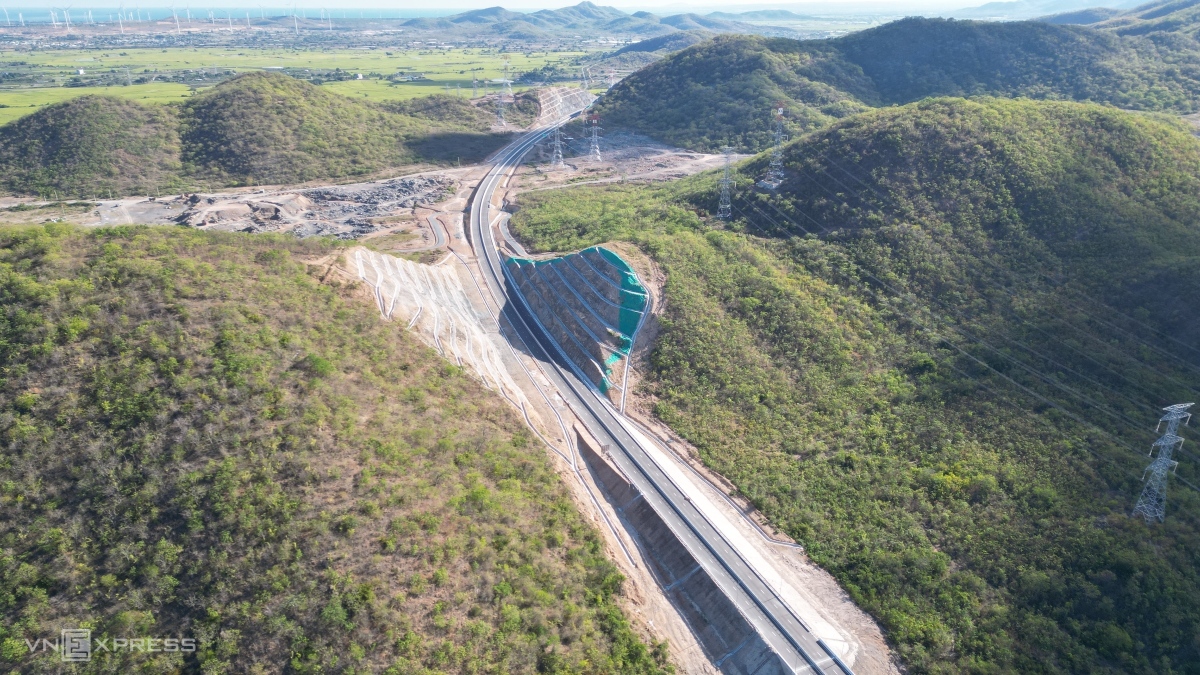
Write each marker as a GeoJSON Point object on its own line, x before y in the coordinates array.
{"type": "Point", "coordinates": [6, 19]}
{"type": "Point", "coordinates": [176, 17]}
{"type": "Point", "coordinates": [66, 18]}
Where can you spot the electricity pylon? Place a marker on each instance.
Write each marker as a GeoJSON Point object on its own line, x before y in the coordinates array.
{"type": "Point", "coordinates": [557, 162]}
{"type": "Point", "coordinates": [594, 124]}
{"type": "Point", "coordinates": [1152, 505]}
{"type": "Point", "coordinates": [775, 175]}
{"type": "Point", "coordinates": [505, 91]}
{"type": "Point", "coordinates": [725, 209]}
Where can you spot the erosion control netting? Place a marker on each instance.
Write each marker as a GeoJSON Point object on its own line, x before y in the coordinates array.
{"type": "Point", "coordinates": [590, 303]}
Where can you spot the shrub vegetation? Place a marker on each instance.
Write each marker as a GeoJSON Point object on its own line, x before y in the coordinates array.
{"type": "Point", "coordinates": [258, 128]}
{"type": "Point", "coordinates": [947, 386]}
{"type": "Point", "coordinates": [723, 91]}
{"type": "Point", "coordinates": [203, 440]}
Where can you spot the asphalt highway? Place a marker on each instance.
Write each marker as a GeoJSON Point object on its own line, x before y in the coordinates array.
{"type": "Point", "coordinates": [756, 599]}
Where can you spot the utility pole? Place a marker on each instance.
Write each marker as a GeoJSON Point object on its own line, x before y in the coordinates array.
{"type": "Point", "coordinates": [725, 209]}
{"type": "Point", "coordinates": [594, 149]}
{"type": "Point", "coordinates": [775, 175]}
{"type": "Point", "coordinates": [1152, 505]}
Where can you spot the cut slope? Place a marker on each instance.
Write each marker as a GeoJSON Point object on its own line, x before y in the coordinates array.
{"type": "Point", "coordinates": [210, 444]}
{"type": "Point", "coordinates": [721, 91]}
{"type": "Point", "coordinates": [91, 145]}
{"type": "Point", "coordinates": [948, 389]}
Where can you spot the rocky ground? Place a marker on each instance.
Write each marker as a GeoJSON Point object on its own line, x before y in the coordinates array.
{"type": "Point", "coordinates": [344, 211]}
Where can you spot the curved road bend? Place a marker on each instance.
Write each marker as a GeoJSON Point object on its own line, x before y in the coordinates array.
{"type": "Point", "coordinates": [756, 599]}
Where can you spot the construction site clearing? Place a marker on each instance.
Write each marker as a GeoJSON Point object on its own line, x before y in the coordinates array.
{"type": "Point", "coordinates": [408, 220]}
{"type": "Point", "coordinates": [391, 215]}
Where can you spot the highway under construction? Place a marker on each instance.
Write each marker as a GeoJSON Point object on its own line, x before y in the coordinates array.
{"type": "Point", "coordinates": [571, 322]}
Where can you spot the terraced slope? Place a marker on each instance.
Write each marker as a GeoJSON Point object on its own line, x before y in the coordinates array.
{"type": "Point", "coordinates": [936, 357]}
{"type": "Point", "coordinates": [591, 303]}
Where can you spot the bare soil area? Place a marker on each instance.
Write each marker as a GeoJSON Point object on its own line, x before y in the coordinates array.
{"type": "Point", "coordinates": [624, 156]}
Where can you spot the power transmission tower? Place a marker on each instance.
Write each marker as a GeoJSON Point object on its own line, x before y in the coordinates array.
{"type": "Point", "coordinates": [725, 209]}
{"type": "Point", "coordinates": [557, 162]}
{"type": "Point", "coordinates": [775, 175]}
{"type": "Point", "coordinates": [594, 149]}
{"type": "Point", "coordinates": [1152, 505]}
{"type": "Point", "coordinates": [504, 97]}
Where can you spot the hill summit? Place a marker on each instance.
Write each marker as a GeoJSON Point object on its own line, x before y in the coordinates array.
{"type": "Point", "coordinates": [257, 128]}
{"type": "Point", "coordinates": [722, 91]}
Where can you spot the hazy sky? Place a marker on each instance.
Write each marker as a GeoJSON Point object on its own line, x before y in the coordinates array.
{"type": "Point", "coordinates": [449, 6]}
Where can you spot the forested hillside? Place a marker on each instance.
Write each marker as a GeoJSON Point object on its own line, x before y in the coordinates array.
{"type": "Point", "coordinates": [259, 128]}
{"type": "Point", "coordinates": [91, 144]}
{"type": "Point", "coordinates": [721, 92]}
{"type": "Point", "coordinates": [202, 440]}
{"type": "Point", "coordinates": [937, 358]}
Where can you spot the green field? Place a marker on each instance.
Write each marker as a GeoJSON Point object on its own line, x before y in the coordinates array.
{"type": "Point", "coordinates": [21, 102]}
{"type": "Point", "coordinates": [441, 67]}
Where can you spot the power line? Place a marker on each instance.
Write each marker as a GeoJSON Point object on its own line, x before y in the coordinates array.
{"type": "Point", "coordinates": [978, 361]}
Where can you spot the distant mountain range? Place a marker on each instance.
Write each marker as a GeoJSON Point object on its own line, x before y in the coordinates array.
{"type": "Point", "coordinates": [1161, 16]}
{"type": "Point", "coordinates": [591, 18]}
{"type": "Point", "coordinates": [1030, 9]}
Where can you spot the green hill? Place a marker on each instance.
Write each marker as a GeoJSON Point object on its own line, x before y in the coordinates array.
{"type": "Point", "coordinates": [947, 388]}
{"type": "Point", "coordinates": [204, 441]}
{"type": "Point", "coordinates": [91, 145]}
{"type": "Point", "coordinates": [1161, 16]}
{"type": "Point", "coordinates": [721, 91]}
{"type": "Point", "coordinates": [254, 129]}
{"type": "Point", "coordinates": [271, 128]}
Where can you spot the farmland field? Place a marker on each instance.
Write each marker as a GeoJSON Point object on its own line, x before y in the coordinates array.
{"type": "Point", "coordinates": [51, 76]}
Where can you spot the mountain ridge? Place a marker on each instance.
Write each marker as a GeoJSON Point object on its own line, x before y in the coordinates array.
{"type": "Point", "coordinates": [721, 91]}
